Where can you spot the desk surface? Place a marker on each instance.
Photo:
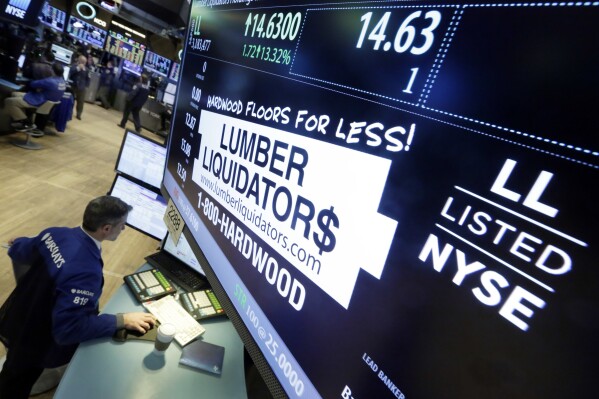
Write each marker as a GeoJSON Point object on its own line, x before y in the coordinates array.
{"type": "Point", "coordinates": [103, 368]}
{"type": "Point", "coordinates": [10, 85]}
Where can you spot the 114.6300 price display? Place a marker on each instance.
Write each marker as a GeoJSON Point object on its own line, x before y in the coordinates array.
{"type": "Point", "coordinates": [279, 26]}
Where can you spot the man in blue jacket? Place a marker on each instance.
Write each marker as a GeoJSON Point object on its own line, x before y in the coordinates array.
{"type": "Point", "coordinates": [47, 89]}
{"type": "Point", "coordinates": [54, 306]}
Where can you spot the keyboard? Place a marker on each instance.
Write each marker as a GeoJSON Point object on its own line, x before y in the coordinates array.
{"type": "Point", "coordinates": [168, 310]}
{"type": "Point", "coordinates": [201, 304]}
{"type": "Point", "coordinates": [179, 274]}
{"type": "Point", "coordinates": [148, 285]}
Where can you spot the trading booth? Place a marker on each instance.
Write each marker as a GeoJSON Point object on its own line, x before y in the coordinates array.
{"type": "Point", "coordinates": [93, 29]}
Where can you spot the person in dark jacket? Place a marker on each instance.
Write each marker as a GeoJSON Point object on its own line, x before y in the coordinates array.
{"type": "Point", "coordinates": [106, 82]}
{"type": "Point", "coordinates": [135, 101]}
{"type": "Point", "coordinates": [55, 304]}
{"type": "Point", "coordinates": [47, 89]}
{"type": "Point", "coordinates": [40, 68]}
{"type": "Point", "coordinates": [80, 77]}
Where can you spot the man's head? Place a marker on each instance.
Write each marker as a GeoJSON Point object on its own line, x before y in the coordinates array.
{"type": "Point", "coordinates": [105, 217]}
{"type": "Point", "coordinates": [58, 69]}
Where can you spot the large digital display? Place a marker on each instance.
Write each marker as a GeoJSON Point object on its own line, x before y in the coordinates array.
{"type": "Point", "coordinates": [157, 63]}
{"type": "Point", "coordinates": [125, 47]}
{"type": "Point", "coordinates": [86, 32]}
{"type": "Point", "coordinates": [53, 17]}
{"type": "Point", "coordinates": [395, 199]}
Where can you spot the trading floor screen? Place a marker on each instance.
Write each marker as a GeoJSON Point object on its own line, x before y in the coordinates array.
{"type": "Point", "coordinates": [399, 198]}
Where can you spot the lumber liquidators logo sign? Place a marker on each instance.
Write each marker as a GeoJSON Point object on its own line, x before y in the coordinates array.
{"type": "Point", "coordinates": [300, 196]}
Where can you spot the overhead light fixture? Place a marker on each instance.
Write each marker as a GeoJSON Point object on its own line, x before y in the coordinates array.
{"type": "Point", "coordinates": [110, 5]}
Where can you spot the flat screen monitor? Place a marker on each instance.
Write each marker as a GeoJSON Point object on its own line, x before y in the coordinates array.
{"type": "Point", "coordinates": [174, 73]}
{"type": "Point", "coordinates": [141, 158]}
{"type": "Point", "coordinates": [157, 63]}
{"type": "Point", "coordinates": [171, 88]}
{"type": "Point", "coordinates": [62, 54]}
{"type": "Point", "coordinates": [182, 251]}
{"type": "Point", "coordinates": [53, 17]}
{"type": "Point", "coordinates": [392, 198]}
{"type": "Point", "coordinates": [132, 67]}
{"type": "Point", "coordinates": [122, 46]}
{"type": "Point", "coordinates": [148, 206]}
{"type": "Point", "coordinates": [86, 32]}
{"type": "Point", "coordinates": [168, 98]}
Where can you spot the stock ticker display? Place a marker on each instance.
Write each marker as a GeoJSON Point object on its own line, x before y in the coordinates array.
{"type": "Point", "coordinates": [400, 198]}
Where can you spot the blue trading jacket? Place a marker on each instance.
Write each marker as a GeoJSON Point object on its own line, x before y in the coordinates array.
{"type": "Point", "coordinates": [54, 306]}
{"type": "Point", "coordinates": [48, 89]}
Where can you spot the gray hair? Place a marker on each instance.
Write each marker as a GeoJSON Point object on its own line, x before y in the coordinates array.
{"type": "Point", "coordinates": [104, 210]}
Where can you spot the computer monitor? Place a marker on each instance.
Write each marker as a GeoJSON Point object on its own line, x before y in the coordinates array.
{"type": "Point", "coordinates": [171, 88]}
{"type": "Point", "coordinates": [168, 98]}
{"type": "Point", "coordinates": [62, 54]}
{"type": "Point", "coordinates": [156, 63]}
{"type": "Point", "coordinates": [141, 158]}
{"type": "Point", "coordinates": [53, 17]}
{"type": "Point", "coordinates": [182, 251]}
{"type": "Point", "coordinates": [394, 199]}
{"type": "Point", "coordinates": [148, 206]}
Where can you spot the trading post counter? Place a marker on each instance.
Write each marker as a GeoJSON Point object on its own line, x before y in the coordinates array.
{"type": "Point", "coordinates": [104, 368]}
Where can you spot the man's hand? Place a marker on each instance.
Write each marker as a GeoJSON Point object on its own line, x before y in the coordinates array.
{"type": "Point", "coordinates": [139, 321]}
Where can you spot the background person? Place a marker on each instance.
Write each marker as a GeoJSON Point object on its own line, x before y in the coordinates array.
{"type": "Point", "coordinates": [54, 306]}
{"type": "Point", "coordinates": [42, 90]}
{"type": "Point", "coordinates": [40, 65]}
{"type": "Point", "coordinates": [107, 76]}
{"type": "Point", "coordinates": [135, 101]}
{"type": "Point", "coordinates": [80, 77]}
